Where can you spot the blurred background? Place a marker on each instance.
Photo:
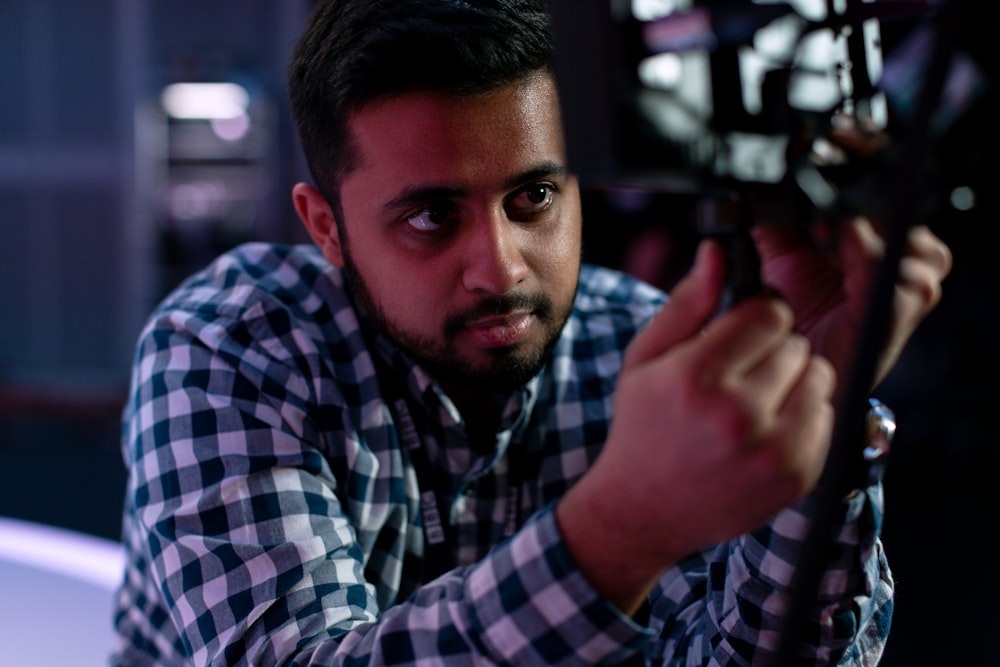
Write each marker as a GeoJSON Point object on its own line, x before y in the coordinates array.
{"type": "Point", "coordinates": [113, 187]}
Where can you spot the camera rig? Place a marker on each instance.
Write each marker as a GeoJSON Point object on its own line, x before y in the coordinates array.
{"type": "Point", "coordinates": [780, 107]}
{"type": "Point", "coordinates": [705, 96]}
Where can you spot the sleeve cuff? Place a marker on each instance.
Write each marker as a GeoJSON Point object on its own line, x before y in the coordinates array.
{"type": "Point", "coordinates": [532, 605]}
{"type": "Point", "coordinates": [773, 551]}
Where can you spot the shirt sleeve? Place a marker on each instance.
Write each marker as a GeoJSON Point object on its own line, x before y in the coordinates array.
{"type": "Point", "coordinates": [524, 604]}
{"type": "Point", "coordinates": [256, 561]}
{"type": "Point", "coordinates": [726, 606]}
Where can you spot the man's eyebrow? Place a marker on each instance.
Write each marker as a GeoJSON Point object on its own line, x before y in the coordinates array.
{"type": "Point", "coordinates": [422, 194]}
{"type": "Point", "coordinates": [537, 173]}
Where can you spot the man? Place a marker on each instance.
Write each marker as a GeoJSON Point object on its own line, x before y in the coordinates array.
{"type": "Point", "coordinates": [398, 447]}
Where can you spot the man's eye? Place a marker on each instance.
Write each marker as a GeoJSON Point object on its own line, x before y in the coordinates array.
{"type": "Point", "coordinates": [428, 219]}
{"type": "Point", "coordinates": [530, 201]}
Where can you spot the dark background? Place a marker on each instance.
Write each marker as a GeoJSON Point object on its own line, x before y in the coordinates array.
{"type": "Point", "coordinates": [90, 239]}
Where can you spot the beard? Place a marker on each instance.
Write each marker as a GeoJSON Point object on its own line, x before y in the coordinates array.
{"type": "Point", "coordinates": [507, 369]}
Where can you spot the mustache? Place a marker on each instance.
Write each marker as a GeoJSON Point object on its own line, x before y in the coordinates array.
{"type": "Point", "coordinates": [538, 304]}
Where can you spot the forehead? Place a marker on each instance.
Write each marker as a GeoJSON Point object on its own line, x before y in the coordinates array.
{"type": "Point", "coordinates": [439, 136]}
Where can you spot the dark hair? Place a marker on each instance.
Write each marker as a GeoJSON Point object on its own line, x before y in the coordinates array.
{"type": "Point", "coordinates": [356, 51]}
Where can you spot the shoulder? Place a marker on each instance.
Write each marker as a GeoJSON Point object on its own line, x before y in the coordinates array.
{"type": "Point", "coordinates": [610, 308]}
{"type": "Point", "coordinates": [260, 323]}
{"type": "Point", "coordinates": [292, 275]}
{"type": "Point", "coordinates": [615, 298]}
{"type": "Point", "coordinates": [286, 301]}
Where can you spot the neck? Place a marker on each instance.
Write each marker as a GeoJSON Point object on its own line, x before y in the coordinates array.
{"type": "Point", "coordinates": [481, 411]}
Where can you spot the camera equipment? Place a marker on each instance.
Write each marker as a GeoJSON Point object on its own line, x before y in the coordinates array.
{"type": "Point", "coordinates": [755, 101]}
{"type": "Point", "coordinates": [707, 96]}
{"type": "Point", "coordinates": [762, 110]}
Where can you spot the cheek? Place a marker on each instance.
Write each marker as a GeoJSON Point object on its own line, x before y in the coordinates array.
{"type": "Point", "coordinates": [408, 293]}
{"type": "Point", "coordinates": [560, 253]}
{"type": "Point", "coordinates": [397, 291]}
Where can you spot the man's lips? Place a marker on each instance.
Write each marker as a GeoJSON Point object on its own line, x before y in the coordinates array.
{"type": "Point", "coordinates": [500, 330]}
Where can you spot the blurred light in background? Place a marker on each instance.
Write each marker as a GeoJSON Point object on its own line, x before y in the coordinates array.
{"type": "Point", "coordinates": [211, 168]}
{"type": "Point", "coordinates": [963, 198]}
{"type": "Point", "coordinates": [210, 101]}
{"type": "Point", "coordinates": [224, 105]}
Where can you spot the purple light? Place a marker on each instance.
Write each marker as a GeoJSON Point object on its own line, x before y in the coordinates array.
{"type": "Point", "coordinates": [83, 557]}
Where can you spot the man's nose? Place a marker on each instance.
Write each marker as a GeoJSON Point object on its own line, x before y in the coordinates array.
{"type": "Point", "coordinates": [494, 261]}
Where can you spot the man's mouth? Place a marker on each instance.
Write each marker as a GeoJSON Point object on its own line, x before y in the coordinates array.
{"type": "Point", "coordinates": [501, 330]}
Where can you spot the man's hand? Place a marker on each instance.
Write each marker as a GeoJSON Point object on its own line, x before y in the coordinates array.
{"type": "Point", "coordinates": [718, 425]}
{"type": "Point", "coordinates": [721, 423]}
{"type": "Point", "coordinates": [828, 294]}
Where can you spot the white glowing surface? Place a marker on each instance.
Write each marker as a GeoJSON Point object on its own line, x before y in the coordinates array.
{"type": "Point", "coordinates": [75, 555]}
{"type": "Point", "coordinates": [56, 595]}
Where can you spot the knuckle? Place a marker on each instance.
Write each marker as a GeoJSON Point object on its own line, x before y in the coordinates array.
{"type": "Point", "coordinates": [771, 314]}
{"type": "Point", "coordinates": [822, 374]}
{"type": "Point", "coordinates": [737, 418]}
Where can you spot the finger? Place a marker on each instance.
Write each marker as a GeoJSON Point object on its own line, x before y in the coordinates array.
{"type": "Point", "coordinates": [771, 380]}
{"type": "Point", "coordinates": [804, 425]}
{"type": "Point", "coordinates": [924, 245]}
{"type": "Point", "coordinates": [862, 231]}
{"type": "Point", "coordinates": [918, 291]}
{"type": "Point", "coordinates": [739, 340]}
{"type": "Point", "coordinates": [861, 247]}
{"type": "Point", "coordinates": [920, 282]}
{"type": "Point", "coordinates": [692, 303]}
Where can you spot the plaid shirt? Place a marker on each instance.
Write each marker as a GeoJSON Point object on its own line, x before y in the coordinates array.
{"type": "Point", "coordinates": [274, 511]}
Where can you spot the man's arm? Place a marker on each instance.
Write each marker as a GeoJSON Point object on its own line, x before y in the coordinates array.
{"type": "Point", "coordinates": [256, 558]}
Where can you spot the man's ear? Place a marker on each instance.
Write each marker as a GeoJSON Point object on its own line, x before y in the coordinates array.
{"type": "Point", "coordinates": [316, 215]}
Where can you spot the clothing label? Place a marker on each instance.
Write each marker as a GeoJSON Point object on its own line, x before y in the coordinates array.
{"type": "Point", "coordinates": [433, 529]}
{"type": "Point", "coordinates": [511, 524]}
{"type": "Point", "coordinates": [407, 429]}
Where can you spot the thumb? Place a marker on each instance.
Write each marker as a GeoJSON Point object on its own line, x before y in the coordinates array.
{"type": "Point", "coordinates": [693, 302]}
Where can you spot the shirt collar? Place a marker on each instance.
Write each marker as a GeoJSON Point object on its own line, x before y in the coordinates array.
{"type": "Point", "coordinates": [417, 384]}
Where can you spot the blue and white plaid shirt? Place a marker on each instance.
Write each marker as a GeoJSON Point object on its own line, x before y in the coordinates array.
{"type": "Point", "coordinates": [274, 513]}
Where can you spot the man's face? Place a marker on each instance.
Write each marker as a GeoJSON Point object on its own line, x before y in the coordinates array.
{"type": "Point", "coordinates": [461, 230]}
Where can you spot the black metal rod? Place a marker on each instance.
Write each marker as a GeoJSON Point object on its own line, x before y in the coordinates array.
{"type": "Point", "coordinates": [900, 217]}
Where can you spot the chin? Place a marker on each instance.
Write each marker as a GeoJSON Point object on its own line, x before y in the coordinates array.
{"type": "Point", "coordinates": [507, 369]}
